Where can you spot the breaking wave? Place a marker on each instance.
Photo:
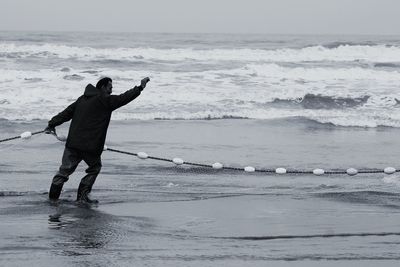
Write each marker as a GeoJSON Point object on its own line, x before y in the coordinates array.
{"type": "Point", "coordinates": [311, 101]}
{"type": "Point", "coordinates": [332, 45]}
{"type": "Point", "coordinates": [394, 65]}
{"type": "Point", "coordinates": [341, 83]}
{"type": "Point", "coordinates": [329, 52]}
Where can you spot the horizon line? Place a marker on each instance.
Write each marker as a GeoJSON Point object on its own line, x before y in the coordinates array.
{"type": "Point", "coordinates": [201, 33]}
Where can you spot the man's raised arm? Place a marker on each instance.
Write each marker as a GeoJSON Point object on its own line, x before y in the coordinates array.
{"type": "Point", "coordinates": [117, 101]}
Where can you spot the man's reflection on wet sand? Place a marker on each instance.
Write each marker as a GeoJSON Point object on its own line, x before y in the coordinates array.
{"type": "Point", "coordinates": [81, 226]}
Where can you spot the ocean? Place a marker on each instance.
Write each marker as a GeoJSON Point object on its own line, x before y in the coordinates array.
{"type": "Point", "coordinates": [342, 80]}
{"type": "Point", "coordinates": [266, 101]}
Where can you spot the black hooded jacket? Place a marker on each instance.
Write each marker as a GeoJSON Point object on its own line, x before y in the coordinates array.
{"type": "Point", "coordinates": [91, 114]}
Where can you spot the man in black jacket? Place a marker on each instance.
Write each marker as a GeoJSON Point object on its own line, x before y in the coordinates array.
{"type": "Point", "coordinates": [90, 114]}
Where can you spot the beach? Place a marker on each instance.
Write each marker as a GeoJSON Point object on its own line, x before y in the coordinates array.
{"type": "Point", "coordinates": [298, 102]}
{"type": "Point", "coordinates": [154, 213]}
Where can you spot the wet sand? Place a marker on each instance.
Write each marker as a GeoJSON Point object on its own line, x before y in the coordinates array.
{"type": "Point", "coordinates": [155, 214]}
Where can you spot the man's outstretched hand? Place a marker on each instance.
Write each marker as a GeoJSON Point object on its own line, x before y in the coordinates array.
{"type": "Point", "coordinates": [50, 130]}
{"type": "Point", "coordinates": [144, 81]}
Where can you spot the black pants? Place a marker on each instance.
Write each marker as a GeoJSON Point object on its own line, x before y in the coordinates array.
{"type": "Point", "coordinates": [70, 160]}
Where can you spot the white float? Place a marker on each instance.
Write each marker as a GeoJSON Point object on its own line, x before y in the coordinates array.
{"type": "Point", "coordinates": [104, 148]}
{"type": "Point", "coordinates": [280, 170]}
{"type": "Point", "coordinates": [177, 161]}
{"type": "Point", "coordinates": [142, 155]}
{"type": "Point", "coordinates": [351, 171]}
{"type": "Point", "coordinates": [249, 169]}
{"type": "Point", "coordinates": [318, 171]}
{"type": "Point", "coordinates": [63, 138]}
{"type": "Point", "coordinates": [217, 166]}
{"type": "Point", "coordinates": [26, 135]}
{"type": "Point", "coordinates": [389, 170]}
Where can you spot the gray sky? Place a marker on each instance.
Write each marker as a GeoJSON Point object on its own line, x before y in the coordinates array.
{"type": "Point", "coordinates": [229, 16]}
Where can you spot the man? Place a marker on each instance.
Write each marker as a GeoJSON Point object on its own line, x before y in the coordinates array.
{"type": "Point", "coordinates": [90, 115]}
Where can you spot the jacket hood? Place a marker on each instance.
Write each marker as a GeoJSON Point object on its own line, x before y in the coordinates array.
{"type": "Point", "coordinates": [90, 90]}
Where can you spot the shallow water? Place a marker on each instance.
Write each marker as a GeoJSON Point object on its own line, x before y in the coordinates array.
{"type": "Point", "coordinates": [152, 213]}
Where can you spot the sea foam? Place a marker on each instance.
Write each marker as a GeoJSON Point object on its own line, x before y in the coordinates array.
{"type": "Point", "coordinates": [339, 83]}
{"type": "Point", "coordinates": [376, 53]}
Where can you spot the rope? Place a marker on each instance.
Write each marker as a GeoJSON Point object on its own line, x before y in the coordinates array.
{"type": "Point", "coordinates": [161, 159]}
{"type": "Point", "coordinates": [122, 152]}
{"type": "Point", "coordinates": [19, 136]}
{"type": "Point", "coordinates": [177, 161]}
{"type": "Point", "coordinates": [368, 171]}
{"type": "Point", "coordinates": [197, 164]}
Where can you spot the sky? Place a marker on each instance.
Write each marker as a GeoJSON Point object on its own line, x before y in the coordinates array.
{"type": "Point", "coordinates": [204, 16]}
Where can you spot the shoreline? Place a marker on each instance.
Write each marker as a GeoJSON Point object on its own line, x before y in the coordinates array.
{"type": "Point", "coordinates": [160, 214]}
{"type": "Point", "coordinates": [276, 121]}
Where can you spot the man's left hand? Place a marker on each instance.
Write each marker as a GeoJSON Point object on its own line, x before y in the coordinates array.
{"type": "Point", "coordinates": [144, 81]}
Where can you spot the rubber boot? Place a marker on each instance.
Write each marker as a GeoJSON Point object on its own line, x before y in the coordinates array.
{"type": "Point", "coordinates": [55, 191]}
{"type": "Point", "coordinates": [83, 194]}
